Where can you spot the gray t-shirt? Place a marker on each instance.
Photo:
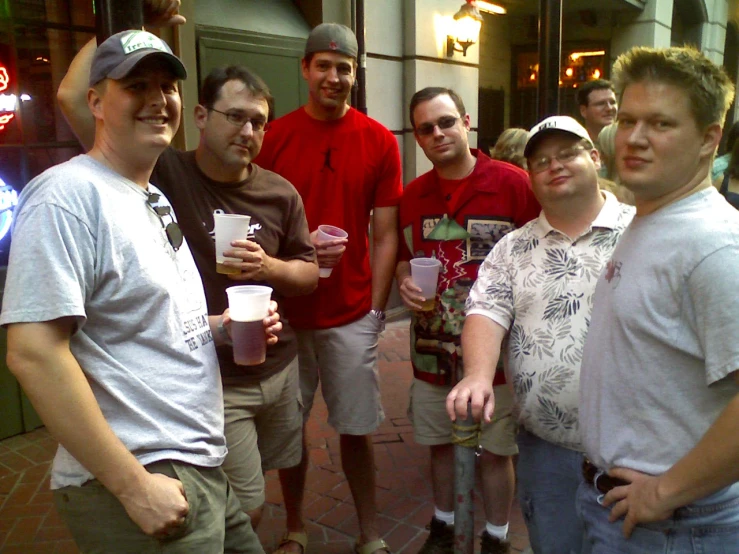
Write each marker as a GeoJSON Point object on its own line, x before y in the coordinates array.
{"type": "Point", "coordinates": [86, 245]}
{"type": "Point", "coordinates": [663, 339]}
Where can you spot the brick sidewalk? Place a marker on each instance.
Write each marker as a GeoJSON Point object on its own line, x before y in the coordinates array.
{"type": "Point", "coordinates": [30, 525]}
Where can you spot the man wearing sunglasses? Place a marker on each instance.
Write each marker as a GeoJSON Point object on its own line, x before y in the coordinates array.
{"type": "Point", "coordinates": [536, 288]}
{"type": "Point", "coordinates": [262, 403]}
{"type": "Point", "coordinates": [109, 332]}
{"type": "Point", "coordinates": [456, 213]}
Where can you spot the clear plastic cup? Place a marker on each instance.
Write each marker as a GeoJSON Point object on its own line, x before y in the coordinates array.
{"type": "Point", "coordinates": [229, 227]}
{"type": "Point", "coordinates": [326, 233]}
{"type": "Point", "coordinates": [248, 305]}
{"type": "Point", "coordinates": [425, 274]}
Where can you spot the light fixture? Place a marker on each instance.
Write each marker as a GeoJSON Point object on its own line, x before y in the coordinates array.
{"type": "Point", "coordinates": [466, 29]}
{"type": "Point", "coordinates": [575, 55]}
{"type": "Point", "coordinates": [489, 7]}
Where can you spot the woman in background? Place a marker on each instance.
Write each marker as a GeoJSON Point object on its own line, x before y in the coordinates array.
{"type": "Point", "coordinates": [509, 147]}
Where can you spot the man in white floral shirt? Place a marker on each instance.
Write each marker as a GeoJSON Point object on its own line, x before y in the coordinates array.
{"type": "Point", "coordinates": [538, 283]}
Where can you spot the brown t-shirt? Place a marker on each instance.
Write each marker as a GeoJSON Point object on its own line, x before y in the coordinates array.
{"type": "Point", "coordinates": [277, 222]}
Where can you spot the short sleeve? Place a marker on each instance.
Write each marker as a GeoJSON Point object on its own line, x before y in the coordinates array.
{"type": "Point", "coordinates": [297, 244]}
{"type": "Point", "coordinates": [51, 267]}
{"type": "Point", "coordinates": [713, 288]}
{"type": "Point", "coordinates": [492, 293]}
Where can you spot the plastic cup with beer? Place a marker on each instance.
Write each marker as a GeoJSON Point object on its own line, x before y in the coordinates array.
{"type": "Point", "coordinates": [248, 305]}
{"type": "Point", "coordinates": [229, 227]}
{"type": "Point", "coordinates": [326, 233]}
{"type": "Point", "coordinates": [425, 274]}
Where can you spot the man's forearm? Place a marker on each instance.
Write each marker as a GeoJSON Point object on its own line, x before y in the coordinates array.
{"type": "Point", "coordinates": [481, 343]}
{"type": "Point", "coordinates": [60, 393]}
{"type": "Point", "coordinates": [383, 270]}
{"type": "Point", "coordinates": [402, 270]}
{"type": "Point", "coordinates": [72, 95]}
{"type": "Point", "coordinates": [293, 277]}
{"type": "Point", "coordinates": [709, 466]}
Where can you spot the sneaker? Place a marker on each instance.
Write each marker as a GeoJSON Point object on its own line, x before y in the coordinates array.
{"type": "Point", "coordinates": [493, 545]}
{"type": "Point", "coordinates": [440, 539]}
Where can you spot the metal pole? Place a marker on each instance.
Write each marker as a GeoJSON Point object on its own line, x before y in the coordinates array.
{"type": "Point", "coordinates": [113, 16]}
{"type": "Point", "coordinates": [359, 92]}
{"type": "Point", "coordinates": [550, 54]}
{"type": "Point", "coordinates": [465, 444]}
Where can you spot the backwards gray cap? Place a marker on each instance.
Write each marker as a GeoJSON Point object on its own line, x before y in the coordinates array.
{"type": "Point", "coordinates": [120, 53]}
{"type": "Point", "coordinates": [332, 37]}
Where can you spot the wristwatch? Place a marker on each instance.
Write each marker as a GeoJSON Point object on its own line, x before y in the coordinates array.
{"type": "Point", "coordinates": [380, 315]}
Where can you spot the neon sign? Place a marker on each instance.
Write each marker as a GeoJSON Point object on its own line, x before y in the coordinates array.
{"type": "Point", "coordinates": [8, 201]}
{"type": "Point", "coordinates": [5, 106]}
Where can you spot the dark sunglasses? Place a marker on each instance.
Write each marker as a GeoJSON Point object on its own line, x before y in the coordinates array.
{"type": "Point", "coordinates": [446, 122]}
{"type": "Point", "coordinates": [171, 229]}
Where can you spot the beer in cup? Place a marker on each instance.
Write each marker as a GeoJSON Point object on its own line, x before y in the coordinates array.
{"type": "Point", "coordinates": [229, 227]}
{"type": "Point", "coordinates": [425, 274]}
{"type": "Point", "coordinates": [248, 305]}
{"type": "Point", "coordinates": [326, 233]}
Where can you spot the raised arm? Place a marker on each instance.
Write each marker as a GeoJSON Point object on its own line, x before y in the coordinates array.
{"type": "Point", "coordinates": [72, 93]}
{"type": "Point", "coordinates": [72, 96]}
{"type": "Point", "coordinates": [60, 393]}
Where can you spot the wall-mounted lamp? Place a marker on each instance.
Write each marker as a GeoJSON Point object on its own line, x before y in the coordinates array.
{"type": "Point", "coordinates": [466, 29]}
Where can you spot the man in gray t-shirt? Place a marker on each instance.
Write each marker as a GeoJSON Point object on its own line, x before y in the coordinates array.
{"type": "Point", "coordinates": [108, 330]}
{"type": "Point", "coordinates": [659, 408]}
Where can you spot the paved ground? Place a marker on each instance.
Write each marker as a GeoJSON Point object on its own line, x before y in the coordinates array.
{"type": "Point", "coordinates": [29, 524]}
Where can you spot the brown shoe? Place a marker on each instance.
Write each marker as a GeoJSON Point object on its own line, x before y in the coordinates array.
{"type": "Point", "coordinates": [493, 545]}
{"type": "Point", "coordinates": [440, 539]}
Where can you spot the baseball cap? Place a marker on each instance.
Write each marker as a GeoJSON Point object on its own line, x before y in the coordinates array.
{"type": "Point", "coordinates": [555, 123]}
{"type": "Point", "coordinates": [120, 53]}
{"type": "Point", "coordinates": [332, 37]}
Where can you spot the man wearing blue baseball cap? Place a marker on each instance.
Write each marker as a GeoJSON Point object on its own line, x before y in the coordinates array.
{"type": "Point", "coordinates": [127, 379]}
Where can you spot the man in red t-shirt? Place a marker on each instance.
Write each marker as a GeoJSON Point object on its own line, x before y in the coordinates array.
{"type": "Point", "coordinates": [456, 213]}
{"type": "Point", "coordinates": [346, 167]}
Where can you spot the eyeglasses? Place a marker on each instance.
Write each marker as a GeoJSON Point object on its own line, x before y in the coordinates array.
{"type": "Point", "coordinates": [445, 122]}
{"type": "Point", "coordinates": [239, 119]}
{"type": "Point", "coordinates": [567, 155]}
{"type": "Point", "coordinates": [171, 229]}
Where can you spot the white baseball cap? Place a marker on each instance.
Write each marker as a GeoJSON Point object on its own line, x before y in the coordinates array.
{"type": "Point", "coordinates": [560, 123]}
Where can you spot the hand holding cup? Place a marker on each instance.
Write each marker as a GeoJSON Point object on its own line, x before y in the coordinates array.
{"type": "Point", "coordinates": [330, 243]}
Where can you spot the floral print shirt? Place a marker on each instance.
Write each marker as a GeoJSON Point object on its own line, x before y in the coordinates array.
{"type": "Point", "coordinates": [538, 283]}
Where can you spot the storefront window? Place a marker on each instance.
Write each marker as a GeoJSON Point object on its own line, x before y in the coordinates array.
{"type": "Point", "coordinates": [38, 40]}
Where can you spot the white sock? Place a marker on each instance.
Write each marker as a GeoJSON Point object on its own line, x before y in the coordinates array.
{"type": "Point", "coordinates": [446, 517]}
{"type": "Point", "coordinates": [497, 531]}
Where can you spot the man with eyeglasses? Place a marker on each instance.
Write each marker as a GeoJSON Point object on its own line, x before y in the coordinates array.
{"type": "Point", "coordinates": [346, 167]}
{"type": "Point", "coordinates": [456, 213]}
{"type": "Point", "coordinates": [109, 332]}
{"type": "Point", "coordinates": [262, 403]}
{"type": "Point", "coordinates": [536, 288]}
{"type": "Point", "coordinates": [598, 106]}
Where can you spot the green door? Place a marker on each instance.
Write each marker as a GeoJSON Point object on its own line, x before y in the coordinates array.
{"type": "Point", "coordinates": [274, 59]}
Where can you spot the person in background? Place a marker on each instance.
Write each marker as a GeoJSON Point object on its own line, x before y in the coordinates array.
{"type": "Point", "coordinates": [598, 106]}
{"type": "Point", "coordinates": [509, 147]}
{"type": "Point", "coordinates": [659, 386]}
{"type": "Point", "coordinates": [728, 183]}
{"type": "Point", "coordinates": [608, 176]}
{"type": "Point", "coordinates": [112, 341]}
{"type": "Point", "coordinates": [720, 163]}
{"type": "Point", "coordinates": [536, 287]}
{"type": "Point", "coordinates": [456, 213]}
{"type": "Point", "coordinates": [346, 167]}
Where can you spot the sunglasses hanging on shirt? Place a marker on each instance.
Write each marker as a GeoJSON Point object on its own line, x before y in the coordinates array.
{"type": "Point", "coordinates": [171, 229]}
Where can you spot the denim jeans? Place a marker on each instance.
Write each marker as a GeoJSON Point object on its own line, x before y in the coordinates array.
{"type": "Point", "coordinates": [705, 529]}
{"type": "Point", "coordinates": [548, 478]}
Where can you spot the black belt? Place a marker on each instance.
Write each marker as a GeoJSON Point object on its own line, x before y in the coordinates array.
{"type": "Point", "coordinates": [600, 481]}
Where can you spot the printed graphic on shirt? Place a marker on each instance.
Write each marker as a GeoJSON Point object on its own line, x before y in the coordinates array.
{"type": "Point", "coordinates": [485, 232]}
{"type": "Point", "coordinates": [327, 160]}
{"type": "Point", "coordinates": [613, 273]}
{"type": "Point", "coordinates": [428, 224]}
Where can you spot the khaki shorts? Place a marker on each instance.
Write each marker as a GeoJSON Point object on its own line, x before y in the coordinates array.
{"type": "Point", "coordinates": [344, 360]}
{"type": "Point", "coordinates": [100, 525]}
{"type": "Point", "coordinates": [264, 430]}
{"type": "Point", "coordinates": [432, 426]}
